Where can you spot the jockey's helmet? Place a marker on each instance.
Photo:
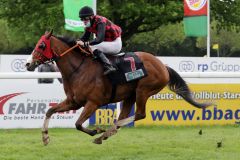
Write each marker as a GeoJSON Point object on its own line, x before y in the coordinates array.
{"type": "Point", "coordinates": [85, 12]}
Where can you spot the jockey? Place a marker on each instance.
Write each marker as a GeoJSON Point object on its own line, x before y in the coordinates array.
{"type": "Point", "coordinates": [108, 37]}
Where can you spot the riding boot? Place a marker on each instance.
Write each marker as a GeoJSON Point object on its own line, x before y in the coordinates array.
{"type": "Point", "coordinates": [108, 67]}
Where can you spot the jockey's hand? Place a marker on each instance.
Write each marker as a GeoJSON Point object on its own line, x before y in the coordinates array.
{"type": "Point", "coordinates": [80, 43]}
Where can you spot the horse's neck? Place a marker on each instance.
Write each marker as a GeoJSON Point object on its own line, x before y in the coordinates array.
{"type": "Point", "coordinates": [69, 63]}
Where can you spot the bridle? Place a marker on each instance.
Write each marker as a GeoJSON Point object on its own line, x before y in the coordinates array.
{"type": "Point", "coordinates": [56, 56]}
{"type": "Point", "coordinates": [87, 52]}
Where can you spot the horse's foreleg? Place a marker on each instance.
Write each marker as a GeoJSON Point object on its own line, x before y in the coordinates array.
{"type": "Point", "coordinates": [141, 108]}
{"type": "Point", "coordinates": [88, 110]}
{"type": "Point", "coordinates": [122, 120]}
{"type": "Point", "coordinates": [126, 108]}
{"type": "Point", "coordinates": [61, 107]}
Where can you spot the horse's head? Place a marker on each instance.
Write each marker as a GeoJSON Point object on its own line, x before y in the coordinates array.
{"type": "Point", "coordinates": [41, 53]}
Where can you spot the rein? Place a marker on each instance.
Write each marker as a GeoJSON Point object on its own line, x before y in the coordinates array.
{"type": "Point", "coordinates": [70, 49]}
{"type": "Point", "coordinates": [75, 46]}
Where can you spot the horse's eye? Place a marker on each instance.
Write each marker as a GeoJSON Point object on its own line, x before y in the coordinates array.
{"type": "Point", "coordinates": [42, 46]}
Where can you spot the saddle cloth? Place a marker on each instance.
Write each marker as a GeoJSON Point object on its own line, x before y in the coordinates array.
{"type": "Point", "coordinates": [129, 68]}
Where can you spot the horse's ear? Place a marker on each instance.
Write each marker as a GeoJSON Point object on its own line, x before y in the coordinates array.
{"type": "Point", "coordinates": [48, 34]}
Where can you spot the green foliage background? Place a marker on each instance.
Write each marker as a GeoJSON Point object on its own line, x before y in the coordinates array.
{"type": "Point", "coordinates": [149, 25]}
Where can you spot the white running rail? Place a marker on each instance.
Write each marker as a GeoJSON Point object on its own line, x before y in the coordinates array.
{"type": "Point", "coordinates": [29, 75]}
{"type": "Point", "coordinates": [36, 75]}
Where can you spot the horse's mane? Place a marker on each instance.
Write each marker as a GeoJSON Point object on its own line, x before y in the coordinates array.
{"type": "Point", "coordinates": [68, 40]}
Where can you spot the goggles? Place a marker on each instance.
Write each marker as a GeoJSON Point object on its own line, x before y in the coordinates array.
{"type": "Point", "coordinates": [85, 18]}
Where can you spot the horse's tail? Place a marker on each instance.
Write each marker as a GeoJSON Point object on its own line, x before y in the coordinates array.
{"type": "Point", "coordinates": [179, 86]}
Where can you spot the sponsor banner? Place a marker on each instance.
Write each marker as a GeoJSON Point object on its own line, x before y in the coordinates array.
{"type": "Point", "coordinates": [108, 115]}
{"type": "Point", "coordinates": [13, 63]}
{"type": "Point", "coordinates": [195, 7]}
{"type": "Point", "coordinates": [21, 99]}
{"type": "Point", "coordinates": [195, 26]}
{"type": "Point", "coordinates": [105, 115]}
{"type": "Point", "coordinates": [195, 18]}
{"type": "Point", "coordinates": [202, 64]}
{"type": "Point", "coordinates": [25, 106]}
{"type": "Point", "coordinates": [16, 63]}
{"type": "Point", "coordinates": [71, 13]}
{"type": "Point", "coordinates": [166, 108]}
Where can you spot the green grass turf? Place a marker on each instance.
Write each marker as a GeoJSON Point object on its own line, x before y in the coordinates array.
{"type": "Point", "coordinates": [138, 143]}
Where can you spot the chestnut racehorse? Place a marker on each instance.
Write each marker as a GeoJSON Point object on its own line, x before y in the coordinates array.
{"type": "Point", "coordinates": [85, 85]}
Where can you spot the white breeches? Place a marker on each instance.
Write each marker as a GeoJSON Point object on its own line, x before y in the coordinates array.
{"type": "Point", "coordinates": [113, 47]}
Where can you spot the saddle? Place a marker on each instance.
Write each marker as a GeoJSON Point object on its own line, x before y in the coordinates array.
{"type": "Point", "coordinates": [129, 68]}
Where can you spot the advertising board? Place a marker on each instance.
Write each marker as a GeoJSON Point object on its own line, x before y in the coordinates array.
{"type": "Point", "coordinates": [25, 106]}
{"type": "Point", "coordinates": [167, 108]}
{"type": "Point", "coordinates": [108, 115]}
{"type": "Point", "coordinates": [204, 64]}
{"type": "Point", "coordinates": [24, 102]}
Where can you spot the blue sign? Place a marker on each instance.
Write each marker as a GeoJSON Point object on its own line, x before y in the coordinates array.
{"type": "Point", "coordinates": [107, 115]}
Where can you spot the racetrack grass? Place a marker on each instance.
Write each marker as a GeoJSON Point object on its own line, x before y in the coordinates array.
{"type": "Point", "coordinates": [139, 143]}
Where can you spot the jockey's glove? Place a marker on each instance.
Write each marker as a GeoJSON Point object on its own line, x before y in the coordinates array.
{"type": "Point", "coordinates": [80, 43]}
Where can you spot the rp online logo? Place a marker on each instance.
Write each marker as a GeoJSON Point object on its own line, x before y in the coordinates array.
{"type": "Point", "coordinates": [18, 65]}
{"type": "Point", "coordinates": [5, 98]}
{"type": "Point", "coordinates": [186, 66]}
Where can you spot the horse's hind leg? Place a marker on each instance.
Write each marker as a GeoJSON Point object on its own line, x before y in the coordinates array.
{"type": "Point", "coordinates": [126, 109]}
{"type": "Point", "coordinates": [141, 100]}
{"type": "Point", "coordinates": [61, 107]}
{"type": "Point", "coordinates": [141, 106]}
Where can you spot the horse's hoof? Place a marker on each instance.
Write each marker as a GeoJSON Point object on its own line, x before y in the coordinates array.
{"type": "Point", "coordinates": [105, 138]}
{"type": "Point", "coordinates": [46, 140]}
{"type": "Point", "coordinates": [98, 141]}
{"type": "Point", "coordinates": [99, 130]}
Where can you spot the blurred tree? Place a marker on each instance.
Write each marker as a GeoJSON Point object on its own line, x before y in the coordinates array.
{"type": "Point", "coordinates": [28, 20]}
{"type": "Point", "coordinates": [226, 13]}
{"type": "Point", "coordinates": [167, 40]}
{"type": "Point", "coordinates": [161, 41]}
{"type": "Point", "coordinates": [25, 21]}
{"type": "Point", "coordinates": [138, 16]}
{"type": "Point", "coordinates": [227, 40]}
{"type": "Point", "coordinates": [4, 41]}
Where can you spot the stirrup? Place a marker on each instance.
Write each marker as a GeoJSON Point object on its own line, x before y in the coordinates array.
{"type": "Point", "coordinates": [109, 69]}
